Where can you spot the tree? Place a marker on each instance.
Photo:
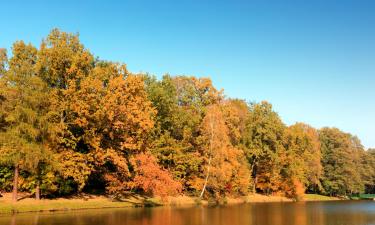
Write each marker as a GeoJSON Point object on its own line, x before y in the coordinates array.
{"type": "Point", "coordinates": [236, 112]}
{"type": "Point", "coordinates": [3, 70]}
{"type": "Point", "coordinates": [101, 112]}
{"type": "Point", "coordinates": [263, 142]}
{"type": "Point", "coordinates": [302, 167]}
{"type": "Point", "coordinates": [151, 178]}
{"type": "Point", "coordinates": [180, 103]}
{"type": "Point", "coordinates": [163, 95]}
{"type": "Point", "coordinates": [127, 121]}
{"type": "Point", "coordinates": [313, 157]}
{"type": "Point", "coordinates": [24, 109]}
{"type": "Point", "coordinates": [63, 63]}
{"type": "Point", "coordinates": [368, 170]}
{"type": "Point", "coordinates": [111, 118]}
{"type": "Point", "coordinates": [63, 60]}
{"type": "Point", "coordinates": [3, 61]}
{"type": "Point", "coordinates": [224, 168]}
{"type": "Point", "coordinates": [340, 160]}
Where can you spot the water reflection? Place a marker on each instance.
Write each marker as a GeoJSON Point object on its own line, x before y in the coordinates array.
{"type": "Point", "coordinates": [318, 213]}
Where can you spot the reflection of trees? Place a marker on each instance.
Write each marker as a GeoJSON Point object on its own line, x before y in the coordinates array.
{"type": "Point", "coordinates": [320, 213]}
{"type": "Point", "coordinates": [299, 214]}
{"type": "Point", "coordinates": [13, 220]}
{"type": "Point", "coordinates": [316, 213]}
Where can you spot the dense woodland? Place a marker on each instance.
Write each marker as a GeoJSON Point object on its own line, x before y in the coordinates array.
{"type": "Point", "coordinates": [72, 123]}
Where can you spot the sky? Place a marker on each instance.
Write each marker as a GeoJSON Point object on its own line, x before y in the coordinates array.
{"type": "Point", "coordinates": [313, 60]}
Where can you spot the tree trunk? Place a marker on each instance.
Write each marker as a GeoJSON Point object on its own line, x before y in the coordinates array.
{"type": "Point", "coordinates": [37, 191]}
{"type": "Point", "coordinates": [15, 184]}
{"type": "Point", "coordinates": [207, 176]}
{"type": "Point", "coordinates": [254, 177]}
{"type": "Point", "coordinates": [209, 161]}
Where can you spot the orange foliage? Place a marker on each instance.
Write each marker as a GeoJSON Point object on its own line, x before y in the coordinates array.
{"type": "Point", "coordinates": [111, 108]}
{"type": "Point", "coordinates": [151, 178]}
{"type": "Point", "coordinates": [294, 189]}
{"type": "Point", "coordinates": [227, 171]}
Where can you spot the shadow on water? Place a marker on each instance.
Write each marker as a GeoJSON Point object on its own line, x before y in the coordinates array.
{"type": "Point", "coordinates": [309, 213]}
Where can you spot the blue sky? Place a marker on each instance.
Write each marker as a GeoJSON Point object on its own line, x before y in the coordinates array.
{"type": "Point", "coordinates": [313, 60]}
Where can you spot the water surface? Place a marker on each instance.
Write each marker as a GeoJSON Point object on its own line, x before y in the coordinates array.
{"type": "Point", "coordinates": [308, 213]}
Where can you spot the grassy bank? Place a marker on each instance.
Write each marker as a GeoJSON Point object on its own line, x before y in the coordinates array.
{"type": "Point", "coordinates": [315, 197]}
{"type": "Point", "coordinates": [263, 198]}
{"type": "Point", "coordinates": [258, 198]}
{"type": "Point", "coordinates": [99, 202]}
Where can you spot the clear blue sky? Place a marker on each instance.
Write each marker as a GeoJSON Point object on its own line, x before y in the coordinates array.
{"type": "Point", "coordinates": [313, 60]}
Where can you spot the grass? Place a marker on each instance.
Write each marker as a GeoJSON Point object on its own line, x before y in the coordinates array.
{"type": "Point", "coordinates": [315, 197]}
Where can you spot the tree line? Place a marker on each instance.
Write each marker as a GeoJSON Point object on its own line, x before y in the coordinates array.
{"type": "Point", "coordinates": [72, 123]}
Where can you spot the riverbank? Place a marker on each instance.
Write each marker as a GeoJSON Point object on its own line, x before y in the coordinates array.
{"type": "Point", "coordinates": [99, 202]}
{"type": "Point", "coordinates": [315, 197]}
{"type": "Point", "coordinates": [256, 198]}
{"type": "Point", "coordinates": [60, 204]}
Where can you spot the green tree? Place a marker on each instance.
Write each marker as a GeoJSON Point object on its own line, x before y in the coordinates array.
{"type": "Point", "coordinates": [180, 103]}
{"type": "Point", "coordinates": [3, 61]}
{"type": "Point", "coordinates": [24, 109]}
{"type": "Point", "coordinates": [263, 142]}
{"type": "Point", "coordinates": [341, 158]}
{"type": "Point", "coordinates": [368, 170]}
{"type": "Point", "coordinates": [302, 164]}
{"type": "Point", "coordinates": [3, 70]}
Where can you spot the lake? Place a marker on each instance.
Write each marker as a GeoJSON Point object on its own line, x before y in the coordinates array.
{"type": "Point", "coordinates": [301, 213]}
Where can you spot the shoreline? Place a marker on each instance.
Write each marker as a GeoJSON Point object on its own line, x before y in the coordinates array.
{"type": "Point", "coordinates": [88, 202]}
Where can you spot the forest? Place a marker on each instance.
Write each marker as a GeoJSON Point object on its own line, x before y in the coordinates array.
{"type": "Point", "coordinates": [72, 123]}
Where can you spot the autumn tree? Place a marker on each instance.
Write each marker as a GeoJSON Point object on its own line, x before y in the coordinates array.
{"type": "Point", "coordinates": [123, 129]}
{"type": "Point", "coordinates": [101, 112]}
{"type": "Point", "coordinates": [62, 63]}
{"type": "Point", "coordinates": [225, 171]}
{"type": "Point", "coordinates": [151, 178]}
{"type": "Point", "coordinates": [236, 113]}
